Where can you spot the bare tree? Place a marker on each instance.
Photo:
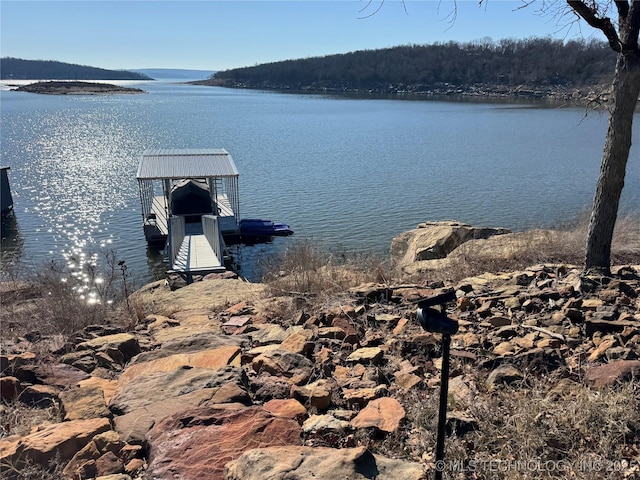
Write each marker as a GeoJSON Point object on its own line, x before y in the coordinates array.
{"type": "Point", "coordinates": [625, 90]}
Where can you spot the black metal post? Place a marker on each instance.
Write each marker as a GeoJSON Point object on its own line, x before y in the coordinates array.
{"type": "Point", "coordinates": [442, 413]}
{"type": "Point", "coordinates": [436, 321]}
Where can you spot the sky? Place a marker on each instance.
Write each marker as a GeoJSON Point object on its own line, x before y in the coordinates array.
{"type": "Point", "coordinates": [218, 34]}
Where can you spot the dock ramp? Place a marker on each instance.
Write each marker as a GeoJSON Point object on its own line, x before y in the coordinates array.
{"type": "Point", "coordinates": [195, 247]}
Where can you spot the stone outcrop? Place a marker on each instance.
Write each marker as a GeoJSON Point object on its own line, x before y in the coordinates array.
{"type": "Point", "coordinates": [210, 294]}
{"type": "Point", "coordinates": [433, 240]}
{"type": "Point", "coordinates": [494, 248]}
{"type": "Point", "coordinates": [614, 372]}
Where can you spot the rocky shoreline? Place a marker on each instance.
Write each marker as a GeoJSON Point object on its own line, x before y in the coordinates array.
{"type": "Point", "coordinates": [223, 380]}
{"type": "Point", "coordinates": [595, 95]}
{"type": "Point", "coordinates": [76, 88]}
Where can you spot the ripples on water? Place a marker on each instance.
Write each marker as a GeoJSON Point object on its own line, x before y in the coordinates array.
{"type": "Point", "coordinates": [344, 172]}
{"type": "Point", "coordinates": [71, 169]}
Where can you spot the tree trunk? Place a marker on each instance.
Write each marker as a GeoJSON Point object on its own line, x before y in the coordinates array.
{"type": "Point", "coordinates": [625, 92]}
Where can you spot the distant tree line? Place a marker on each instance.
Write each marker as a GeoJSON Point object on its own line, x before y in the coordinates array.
{"type": "Point", "coordinates": [19, 69]}
{"type": "Point", "coordinates": [535, 62]}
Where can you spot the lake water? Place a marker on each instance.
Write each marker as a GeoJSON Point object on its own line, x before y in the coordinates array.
{"type": "Point", "coordinates": [347, 173]}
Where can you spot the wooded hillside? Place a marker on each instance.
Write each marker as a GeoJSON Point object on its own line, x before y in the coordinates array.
{"type": "Point", "coordinates": [535, 62]}
{"type": "Point", "coordinates": [19, 69]}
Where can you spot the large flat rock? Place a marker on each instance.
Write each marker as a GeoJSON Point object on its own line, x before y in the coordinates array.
{"type": "Point", "coordinates": [152, 388]}
{"type": "Point", "coordinates": [197, 443]}
{"type": "Point", "coordinates": [209, 294]}
{"type": "Point", "coordinates": [319, 463]}
{"type": "Point", "coordinates": [60, 440]}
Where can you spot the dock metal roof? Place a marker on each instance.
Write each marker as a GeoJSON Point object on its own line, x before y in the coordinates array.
{"type": "Point", "coordinates": [185, 163]}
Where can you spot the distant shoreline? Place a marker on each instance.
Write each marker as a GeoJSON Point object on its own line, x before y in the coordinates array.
{"type": "Point", "coordinates": [76, 88]}
{"type": "Point", "coordinates": [595, 96]}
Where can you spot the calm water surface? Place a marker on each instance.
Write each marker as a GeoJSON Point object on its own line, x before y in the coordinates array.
{"type": "Point", "coordinates": [348, 173]}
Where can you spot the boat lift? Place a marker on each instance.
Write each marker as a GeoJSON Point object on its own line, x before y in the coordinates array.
{"type": "Point", "coordinates": [171, 183]}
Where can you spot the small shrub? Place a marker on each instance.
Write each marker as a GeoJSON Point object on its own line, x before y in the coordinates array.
{"type": "Point", "coordinates": [306, 269]}
{"type": "Point", "coordinates": [17, 418]}
{"type": "Point", "coordinates": [529, 432]}
{"type": "Point", "coordinates": [57, 299]}
{"type": "Point", "coordinates": [32, 471]}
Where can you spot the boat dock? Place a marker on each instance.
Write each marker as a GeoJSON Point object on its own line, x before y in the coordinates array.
{"type": "Point", "coordinates": [189, 202]}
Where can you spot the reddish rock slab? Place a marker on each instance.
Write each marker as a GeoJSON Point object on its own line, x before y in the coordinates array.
{"type": "Point", "coordinates": [213, 359]}
{"type": "Point", "coordinates": [109, 464]}
{"type": "Point", "coordinates": [196, 444]}
{"type": "Point", "coordinates": [126, 343]}
{"type": "Point", "coordinates": [294, 367]}
{"type": "Point", "coordinates": [383, 413]}
{"type": "Point", "coordinates": [242, 308]}
{"type": "Point", "coordinates": [196, 341]}
{"type": "Point", "coordinates": [366, 355]}
{"type": "Point", "coordinates": [84, 403]}
{"type": "Point", "coordinates": [39, 396]}
{"type": "Point", "coordinates": [133, 426]}
{"type": "Point", "coordinates": [350, 334]}
{"type": "Point", "coordinates": [61, 439]}
{"type": "Point", "coordinates": [108, 387]}
{"type": "Point", "coordinates": [299, 342]}
{"type": "Point", "coordinates": [612, 373]}
{"type": "Point", "coordinates": [13, 361]}
{"type": "Point", "coordinates": [287, 408]}
{"type": "Point", "coordinates": [316, 394]}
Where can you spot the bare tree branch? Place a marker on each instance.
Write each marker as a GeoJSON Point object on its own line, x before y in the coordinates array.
{"type": "Point", "coordinates": [453, 14]}
{"type": "Point", "coordinates": [590, 15]}
{"type": "Point", "coordinates": [374, 12]}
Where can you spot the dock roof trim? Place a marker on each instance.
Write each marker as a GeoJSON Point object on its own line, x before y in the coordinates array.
{"type": "Point", "coordinates": [185, 163]}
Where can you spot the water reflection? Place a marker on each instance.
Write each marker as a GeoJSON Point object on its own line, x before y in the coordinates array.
{"type": "Point", "coordinates": [75, 167]}
{"type": "Point", "coordinates": [11, 249]}
{"type": "Point", "coordinates": [157, 262]}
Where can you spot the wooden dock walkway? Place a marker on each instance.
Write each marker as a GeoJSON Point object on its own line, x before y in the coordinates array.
{"type": "Point", "coordinates": [195, 254]}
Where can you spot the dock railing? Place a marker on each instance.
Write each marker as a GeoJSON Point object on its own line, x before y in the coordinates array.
{"type": "Point", "coordinates": [176, 237]}
{"type": "Point", "coordinates": [211, 231]}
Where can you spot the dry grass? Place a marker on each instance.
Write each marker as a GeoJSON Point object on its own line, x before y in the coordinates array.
{"type": "Point", "coordinates": [17, 418]}
{"type": "Point", "coordinates": [626, 240]}
{"type": "Point", "coordinates": [565, 244]}
{"type": "Point", "coordinates": [32, 471]}
{"type": "Point", "coordinates": [522, 251]}
{"type": "Point", "coordinates": [51, 299]}
{"type": "Point", "coordinates": [304, 269]}
{"type": "Point", "coordinates": [529, 432]}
